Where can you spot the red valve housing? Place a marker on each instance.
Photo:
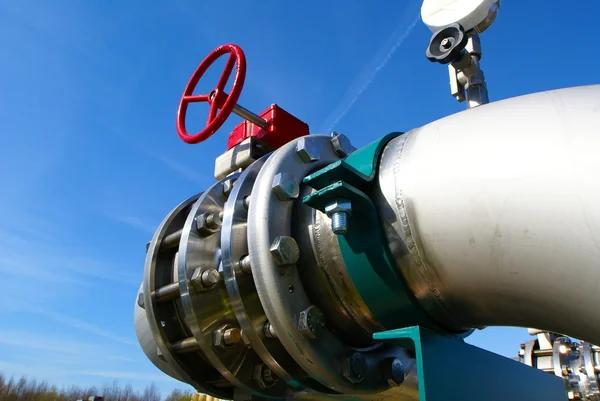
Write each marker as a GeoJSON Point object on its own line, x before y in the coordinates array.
{"type": "Point", "coordinates": [282, 127]}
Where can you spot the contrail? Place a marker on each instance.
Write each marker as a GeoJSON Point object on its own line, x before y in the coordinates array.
{"type": "Point", "coordinates": [373, 75]}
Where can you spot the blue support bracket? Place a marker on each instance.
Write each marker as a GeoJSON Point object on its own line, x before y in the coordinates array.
{"type": "Point", "coordinates": [448, 369]}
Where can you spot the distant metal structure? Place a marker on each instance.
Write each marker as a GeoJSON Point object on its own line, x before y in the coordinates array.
{"type": "Point", "coordinates": [314, 270]}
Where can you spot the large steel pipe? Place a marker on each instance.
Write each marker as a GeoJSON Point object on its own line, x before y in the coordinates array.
{"type": "Point", "coordinates": [493, 214]}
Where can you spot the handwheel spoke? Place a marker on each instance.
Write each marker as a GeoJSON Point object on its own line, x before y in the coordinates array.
{"type": "Point", "coordinates": [226, 73]}
{"type": "Point", "coordinates": [212, 113]}
{"type": "Point", "coordinates": [196, 98]}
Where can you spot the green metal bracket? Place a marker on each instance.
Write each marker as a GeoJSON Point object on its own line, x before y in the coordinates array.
{"type": "Point", "coordinates": [368, 262]}
{"type": "Point", "coordinates": [363, 247]}
{"type": "Point", "coordinates": [449, 369]}
{"type": "Point", "coordinates": [357, 169]}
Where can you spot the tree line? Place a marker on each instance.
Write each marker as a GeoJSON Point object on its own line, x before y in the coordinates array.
{"type": "Point", "coordinates": [25, 389]}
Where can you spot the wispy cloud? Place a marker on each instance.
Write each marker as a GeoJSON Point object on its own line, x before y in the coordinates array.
{"type": "Point", "coordinates": [45, 342]}
{"type": "Point", "coordinates": [81, 325]}
{"type": "Point", "coordinates": [43, 260]}
{"type": "Point", "coordinates": [184, 170]}
{"type": "Point", "coordinates": [363, 80]}
{"type": "Point", "coordinates": [71, 322]}
{"type": "Point", "coordinates": [136, 222]}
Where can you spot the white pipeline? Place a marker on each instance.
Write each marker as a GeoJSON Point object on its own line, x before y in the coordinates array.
{"type": "Point", "coordinates": [493, 214]}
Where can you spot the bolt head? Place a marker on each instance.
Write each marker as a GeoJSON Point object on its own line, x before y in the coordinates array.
{"type": "Point", "coordinates": [394, 372]}
{"type": "Point", "coordinates": [285, 251]}
{"type": "Point", "coordinates": [226, 337]}
{"type": "Point", "coordinates": [310, 321]}
{"type": "Point", "coordinates": [308, 150]}
{"type": "Point", "coordinates": [341, 144]}
{"type": "Point", "coordinates": [228, 186]}
{"type": "Point", "coordinates": [354, 368]}
{"type": "Point", "coordinates": [285, 187]}
{"type": "Point", "coordinates": [341, 205]}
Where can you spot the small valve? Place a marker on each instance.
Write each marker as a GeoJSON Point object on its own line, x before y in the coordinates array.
{"type": "Point", "coordinates": [447, 44]}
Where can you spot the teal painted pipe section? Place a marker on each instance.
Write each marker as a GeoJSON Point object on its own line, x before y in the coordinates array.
{"type": "Point", "coordinates": [367, 260]}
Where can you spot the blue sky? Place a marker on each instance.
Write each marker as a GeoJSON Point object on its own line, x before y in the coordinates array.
{"type": "Point", "coordinates": [90, 161]}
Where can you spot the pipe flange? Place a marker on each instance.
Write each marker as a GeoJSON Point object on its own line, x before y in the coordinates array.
{"type": "Point", "coordinates": [207, 309]}
{"type": "Point", "coordinates": [160, 271]}
{"type": "Point", "coordinates": [281, 291]}
{"type": "Point", "coordinates": [237, 272]}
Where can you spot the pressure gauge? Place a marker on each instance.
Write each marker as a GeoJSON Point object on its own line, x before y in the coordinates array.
{"type": "Point", "coordinates": [478, 14]}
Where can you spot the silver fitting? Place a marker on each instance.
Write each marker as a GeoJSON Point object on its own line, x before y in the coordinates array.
{"type": "Point", "coordinates": [209, 223]}
{"type": "Point", "coordinates": [393, 371]}
{"type": "Point", "coordinates": [269, 330]}
{"type": "Point", "coordinates": [308, 150]}
{"type": "Point", "coordinates": [341, 144]}
{"type": "Point", "coordinates": [339, 211]}
{"type": "Point", "coordinates": [354, 368]}
{"type": "Point", "coordinates": [228, 185]}
{"type": "Point", "coordinates": [205, 279]}
{"type": "Point", "coordinates": [310, 321]}
{"type": "Point", "coordinates": [140, 300]}
{"type": "Point", "coordinates": [227, 337]}
{"type": "Point", "coordinates": [263, 376]}
{"type": "Point", "coordinates": [285, 251]}
{"type": "Point", "coordinates": [285, 187]}
{"type": "Point", "coordinates": [245, 264]}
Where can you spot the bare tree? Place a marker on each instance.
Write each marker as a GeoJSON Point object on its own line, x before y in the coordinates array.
{"type": "Point", "coordinates": [151, 393]}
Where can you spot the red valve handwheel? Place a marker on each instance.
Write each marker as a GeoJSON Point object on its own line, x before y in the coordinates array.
{"type": "Point", "coordinates": [217, 99]}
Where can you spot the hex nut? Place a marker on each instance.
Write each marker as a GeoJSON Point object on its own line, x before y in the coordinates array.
{"type": "Point", "coordinates": [226, 337]}
{"type": "Point", "coordinates": [140, 300]}
{"type": "Point", "coordinates": [285, 251]}
{"type": "Point", "coordinates": [308, 150]}
{"type": "Point", "coordinates": [285, 187]}
{"type": "Point", "coordinates": [263, 376]}
{"type": "Point", "coordinates": [340, 205]}
{"type": "Point", "coordinates": [269, 330]}
{"type": "Point", "coordinates": [204, 279]}
{"type": "Point", "coordinates": [354, 368]}
{"type": "Point", "coordinates": [310, 321]}
{"type": "Point", "coordinates": [341, 145]}
{"type": "Point", "coordinates": [228, 186]}
{"type": "Point", "coordinates": [208, 223]}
